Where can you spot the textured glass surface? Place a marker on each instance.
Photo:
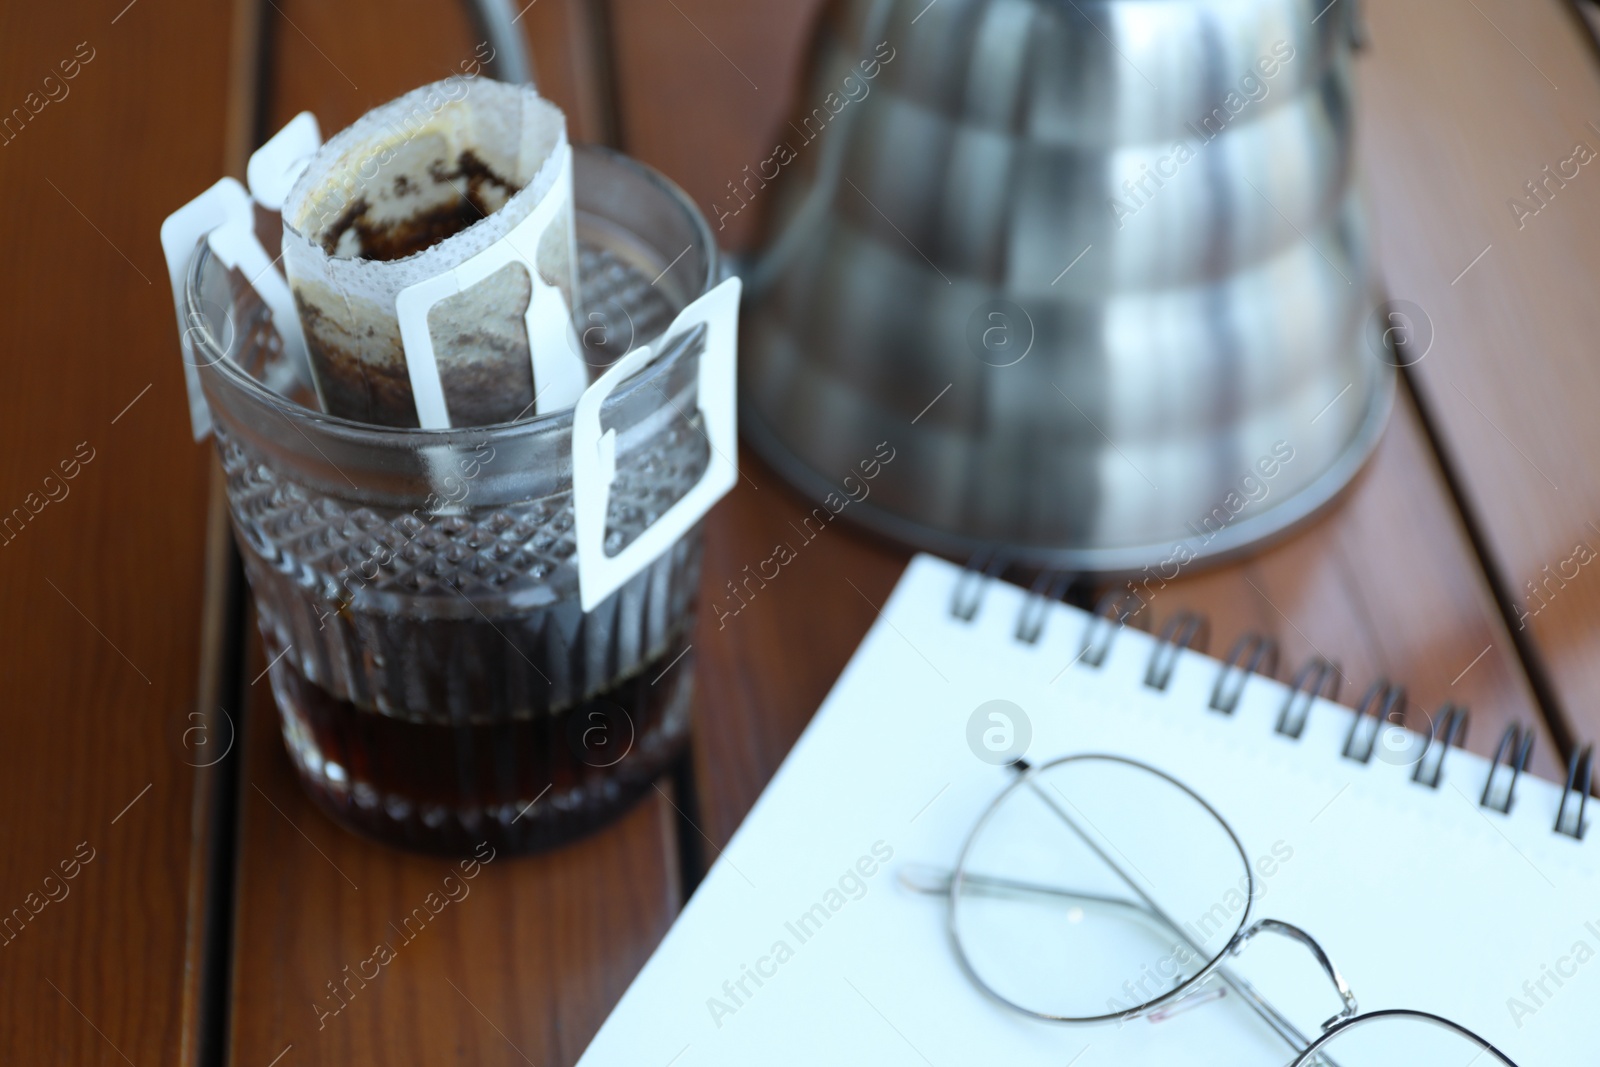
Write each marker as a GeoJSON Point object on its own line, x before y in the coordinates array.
{"type": "Point", "coordinates": [417, 591]}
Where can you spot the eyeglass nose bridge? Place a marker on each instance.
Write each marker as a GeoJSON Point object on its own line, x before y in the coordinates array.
{"type": "Point", "coordinates": [1294, 933]}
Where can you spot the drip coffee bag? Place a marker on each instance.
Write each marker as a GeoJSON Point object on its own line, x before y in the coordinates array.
{"type": "Point", "coordinates": [430, 186]}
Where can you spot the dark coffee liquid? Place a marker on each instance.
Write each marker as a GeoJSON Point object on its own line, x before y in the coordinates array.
{"type": "Point", "coordinates": [457, 692]}
{"type": "Point", "coordinates": [522, 784]}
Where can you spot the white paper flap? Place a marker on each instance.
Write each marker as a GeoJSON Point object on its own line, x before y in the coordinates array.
{"type": "Point", "coordinates": [224, 216]}
{"type": "Point", "coordinates": [237, 247]}
{"type": "Point", "coordinates": [223, 204]}
{"type": "Point", "coordinates": [275, 166]}
{"type": "Point", "coordinates": [594, 453]}
{"type": "Point", "coordinates": [559, 372]}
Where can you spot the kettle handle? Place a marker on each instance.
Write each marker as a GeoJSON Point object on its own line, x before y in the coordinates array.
{"type": "Point", "coordinates": [1356, 24]}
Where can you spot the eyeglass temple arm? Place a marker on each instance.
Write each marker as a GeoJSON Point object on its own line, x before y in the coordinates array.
{"type": "Point", "coordinates": [935, 881]}
{"type": "Point", "coordinates": [1264, 1008]}
{"type": "Point", "coordinates": [1289, 930]}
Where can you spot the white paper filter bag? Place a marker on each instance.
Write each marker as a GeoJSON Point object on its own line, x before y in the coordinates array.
{"type": "Point", "coordinates": [431, 252]}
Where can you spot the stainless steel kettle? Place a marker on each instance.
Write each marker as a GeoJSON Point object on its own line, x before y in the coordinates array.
{"type": "Point", "coordinates": [1096, 270]}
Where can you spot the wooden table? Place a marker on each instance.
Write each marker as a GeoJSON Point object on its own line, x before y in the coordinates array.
{"type": "Point", "coordinates": [208, 904]}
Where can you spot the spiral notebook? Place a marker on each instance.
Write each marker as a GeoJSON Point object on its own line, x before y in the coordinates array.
{"type": "Point", "coordinates": [803, 947]}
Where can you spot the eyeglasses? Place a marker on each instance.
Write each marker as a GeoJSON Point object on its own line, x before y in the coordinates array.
{"type": "Point", "coordinates": [1096, 888]}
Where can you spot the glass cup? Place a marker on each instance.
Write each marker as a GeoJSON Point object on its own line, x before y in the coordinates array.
{"type": "Point", "coordinates": [437, 680]}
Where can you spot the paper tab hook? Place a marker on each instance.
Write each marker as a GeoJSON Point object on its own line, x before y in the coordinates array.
{"type": "Point", "coordinates": [278, 164]}
{"type": "Point", "coordinates": [594, 461]}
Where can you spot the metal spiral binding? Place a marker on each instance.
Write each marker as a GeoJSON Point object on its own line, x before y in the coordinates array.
{"type": "Point", "coordinates": [1047, 588]}
{"type": "Point", "coordinates": [1184, 630]}
{"type": "Point", "coordinates": [1518, 745]}
{"type": "Point", "coordinates": [1256, 654]}
{"type": "Point", "coordinates": [967, 596]}
{"type": "Point", "coordinates": [1447, 729]}
{"type": "Point", "coordinates": [1580, 773]}
{"type": "Point", "coordinates": [1252, 654]}
{"type": "Point", "coordinates": [1110, 615]}
{"type": "Point", "coordinates": [1386, 702]}
{"type": "Point", "coordinates": [1317, 674]}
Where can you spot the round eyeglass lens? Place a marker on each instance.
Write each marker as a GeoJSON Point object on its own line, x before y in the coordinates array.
{"type": "Point", "coordinates": [1096, 887]}
{"type": "Point", "coordinates": [1401, 1039]}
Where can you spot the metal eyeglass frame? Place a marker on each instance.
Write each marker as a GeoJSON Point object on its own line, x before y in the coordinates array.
{"type": "Point", "coordinates": [1306, 1049]}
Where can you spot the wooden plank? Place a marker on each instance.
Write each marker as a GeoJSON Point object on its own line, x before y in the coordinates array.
{"type": "Point", "coordinates": [1493, 93]}
{"type": "Point", "coordinates": [569, 42]}
{"type": "Point", "coordinates": [520, 963]}
{"type": "Point", "coordinates": [212, 733]}
{"type": "Point", "coordinates": [339, 62]}
{"type": "Point", "coordinates": [101, 648]}
{"type": "Point", "coordinates": [705, 86]}
{"type": "Point", "coordinates": [531, 959]}
{"type": "Point", "coordinates": [769, 652]}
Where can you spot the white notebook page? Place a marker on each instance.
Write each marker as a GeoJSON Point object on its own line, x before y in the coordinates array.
{"type": "Point", "coordinates": [1421, 898]}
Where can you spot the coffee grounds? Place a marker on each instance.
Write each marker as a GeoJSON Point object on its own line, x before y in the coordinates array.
{"type": "Point", "coordinates": [377, 391]}
{"type": "Point", "coordinates": [387, 242]}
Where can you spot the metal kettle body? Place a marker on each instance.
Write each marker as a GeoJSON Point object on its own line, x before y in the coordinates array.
{"type": "Point", "coordinates": [1097, 270]}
